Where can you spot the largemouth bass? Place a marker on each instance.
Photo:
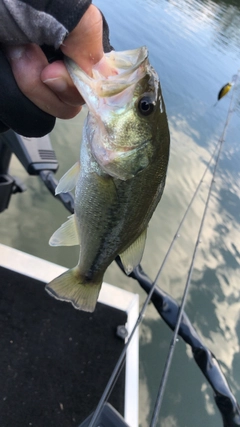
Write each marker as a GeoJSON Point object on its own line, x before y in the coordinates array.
{"type": "Point", "coordinates": [120, 176]}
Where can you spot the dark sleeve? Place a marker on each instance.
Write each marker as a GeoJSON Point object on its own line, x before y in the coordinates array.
{"type": "Point", "coordinates": [39, 21]}
{"type": "Point", "coordinates": [42, 22]}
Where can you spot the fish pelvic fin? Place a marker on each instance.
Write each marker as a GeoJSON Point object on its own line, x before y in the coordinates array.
{"type": "Point", "coordinates": [70, 287]}
{"type": "Point", "coordinates": [68, 180]}
{"type": "Point", "coordinates": [67, 234]}
{"type": "Point", "coordinates": [132, 256]}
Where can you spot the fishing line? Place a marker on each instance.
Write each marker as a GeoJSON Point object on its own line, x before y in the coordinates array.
{"type": "Point", "coordinates": [172, 346]}
{"type": "Point", "coordinates": [119, 363]}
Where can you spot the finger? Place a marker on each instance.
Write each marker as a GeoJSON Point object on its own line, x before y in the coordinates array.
{"type": "Point", "coordinates": [85, 44]}
{"type": "Point", "coordinates": [56, 77]}
{"type": "Point", "coordinates": [27, 63]}
{"type": "Point", "coordinates": [18, 112]}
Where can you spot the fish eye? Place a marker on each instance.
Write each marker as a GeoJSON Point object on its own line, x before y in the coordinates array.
{"type": "Point", "coordinates": [145, 106]}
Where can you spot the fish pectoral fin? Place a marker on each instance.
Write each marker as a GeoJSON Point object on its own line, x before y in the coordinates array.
{"type": "Point", "coordinates": [68, 180]}
{"type": "Point", "coordinates": [66, 235]}
{"type": "Point", "coordinates": [71, 288]}
{"type": "Point", "coordinates": [132, 256]}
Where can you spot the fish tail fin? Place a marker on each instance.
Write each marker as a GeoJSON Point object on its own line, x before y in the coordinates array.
{"type": "Point", "coordinates": [71, 287]}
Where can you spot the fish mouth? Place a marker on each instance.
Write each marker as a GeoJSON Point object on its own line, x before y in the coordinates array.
{"type": "Point", "coordinates": [131, 66]}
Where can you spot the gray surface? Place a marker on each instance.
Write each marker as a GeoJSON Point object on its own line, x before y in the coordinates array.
{"type": "Point", "coordinates": [54, 361]}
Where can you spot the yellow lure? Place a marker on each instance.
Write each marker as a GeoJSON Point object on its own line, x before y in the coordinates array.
{"type": "Point", "coordinates": [225, 89]}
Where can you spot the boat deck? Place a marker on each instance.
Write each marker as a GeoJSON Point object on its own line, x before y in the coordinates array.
{"type": "Point", "coordinates": [55, 361]}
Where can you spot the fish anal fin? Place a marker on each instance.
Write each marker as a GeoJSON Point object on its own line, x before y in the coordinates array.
{"type": "Point", "coordinates": [68, 180]}
{"type": "Point", "coordinates": [66, 235]}
{"type": "Point", "coordinates": [132, 256]}
{"type": "Point", "coordinates": [71, 288]}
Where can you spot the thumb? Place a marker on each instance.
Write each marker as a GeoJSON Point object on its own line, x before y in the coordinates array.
{"type": "Point", "coordinates": [84, 43]}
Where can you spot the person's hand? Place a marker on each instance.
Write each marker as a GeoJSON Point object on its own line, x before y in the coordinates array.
{"type": "Point", "coordinates": [49, 86]}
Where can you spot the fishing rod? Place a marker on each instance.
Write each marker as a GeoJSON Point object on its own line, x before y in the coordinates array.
{"type": "Point", "coordinates": [188, 282]}
{"type": "Point", "coordinates": [135, 274]}
{"type": "Point", "coordinates": [181, 309]}
{"type": "Point", "coordinates": [168, 309]}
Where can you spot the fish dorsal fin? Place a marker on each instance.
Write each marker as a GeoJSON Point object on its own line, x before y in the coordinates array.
{"type": "Point", "coordinates": [68, 180]}
{"type": "Point", "coordinates": [132, 256]}
{"type": "Point", "coordinates": [66, 235]}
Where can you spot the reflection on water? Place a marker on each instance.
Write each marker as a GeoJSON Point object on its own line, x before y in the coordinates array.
{"type": "Point", "coordinates": [194, 46]}
{"type": "Point", "coordinates": [220, 18]}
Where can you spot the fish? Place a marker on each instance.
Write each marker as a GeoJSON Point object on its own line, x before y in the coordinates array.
{"type": "Point", "coordinates": [120, 176]}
